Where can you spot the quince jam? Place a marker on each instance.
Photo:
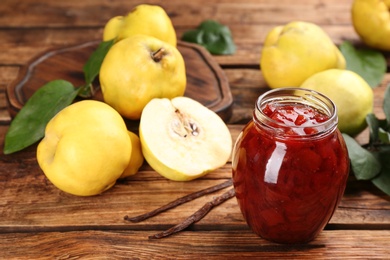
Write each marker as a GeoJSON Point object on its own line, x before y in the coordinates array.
{"type": "Point", "coordinates": [290, 166]}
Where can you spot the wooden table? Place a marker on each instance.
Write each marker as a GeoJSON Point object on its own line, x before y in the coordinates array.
{"type": "Point", "coordinates": [39, 221]}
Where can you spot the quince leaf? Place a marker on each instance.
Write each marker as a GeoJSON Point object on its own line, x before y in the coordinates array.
{"type": "Point", "coordinates": [368, 63]}
{"type": "Point", "coordinates": [386, 105]}
{"type": "Point", "coordinates": [92, 66]}
{"type": "Point", "coordinates": [29, 124]}
{"type": "Point", "coordinates": [365, 165]}
{"type": "Point", "coordinates": [215, 37]}
{"type": "Point", "coordinates": [384, 136]}
{"type": "Point", "coordinates": [382, 181]}
{"type": "Point", "coordinates": [374, 124]}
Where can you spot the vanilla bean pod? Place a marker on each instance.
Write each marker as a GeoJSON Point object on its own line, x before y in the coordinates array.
{"type": "Point", "coordinates": [179, 201]}
{"type": "Point", "coordinates": [198, 215]}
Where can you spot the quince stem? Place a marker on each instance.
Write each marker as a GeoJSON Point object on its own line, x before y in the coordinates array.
{"type": "Point", "coordinates": [158, 55]}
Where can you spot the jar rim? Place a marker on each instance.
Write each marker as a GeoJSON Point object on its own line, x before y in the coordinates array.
{"type": "Point", "coordinates": [298, 95]}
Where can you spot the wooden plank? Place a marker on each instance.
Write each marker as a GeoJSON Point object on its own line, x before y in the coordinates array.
{"type": "Point", "coordinates": [29, 202]}
{"type": "Point", "coordinates": [242, 244]}
{"type": "Point", "coordinates": [7, 75]}
{"type": "Point", "coordinates": [248, 38]}
{"type": "Point", "coordinates": [243, 34]}
{"type": "Point", "coordinates": [39, 221]}
{"type": "Point", "coordinates": [54, 14]}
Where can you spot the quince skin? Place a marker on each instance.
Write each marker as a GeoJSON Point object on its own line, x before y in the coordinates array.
{"type": "Point", "coordinates": [293, 52]}
{"type": "Point", "coordinates": [351, 94]}
{"type": "Point", "coordinates": [371, 21]}
{"type": "Point", "coordinates": [138, 69]}
{"type": "Point", "coordinates": [143, 19]}
{"type": "Point", "coordinates": [86, 148]}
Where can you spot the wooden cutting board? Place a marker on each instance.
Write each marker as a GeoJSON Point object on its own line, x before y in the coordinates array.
{"type": "Point", "coordinates": [206, 81]}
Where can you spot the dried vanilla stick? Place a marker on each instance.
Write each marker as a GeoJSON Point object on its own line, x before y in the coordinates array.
{"type": "Point", "coordinates": [198, 215]}
{"type": "Point", "coordinates": [179, 201]}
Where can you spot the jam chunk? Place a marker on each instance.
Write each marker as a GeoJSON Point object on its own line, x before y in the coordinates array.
{"type": "Point", "coordinates": [301, 118]}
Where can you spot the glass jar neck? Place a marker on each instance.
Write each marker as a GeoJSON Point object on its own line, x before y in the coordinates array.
{"type": "Point", "coordinates": [296, 97]}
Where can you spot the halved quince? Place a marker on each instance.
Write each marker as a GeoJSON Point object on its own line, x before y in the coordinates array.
{"type": "Point", "coordinates": [182, 139]}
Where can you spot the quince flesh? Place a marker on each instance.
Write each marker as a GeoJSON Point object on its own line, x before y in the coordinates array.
{"type": "Point", "coordinates": [182, 139]}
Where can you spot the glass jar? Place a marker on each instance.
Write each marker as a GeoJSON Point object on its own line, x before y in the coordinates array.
{"type": "Point", "coordinates": [290, 165]}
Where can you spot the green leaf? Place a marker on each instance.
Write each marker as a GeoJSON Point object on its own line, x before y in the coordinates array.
{"type": "Point", "coordinates": [364, 164]}
{"type": "Point", "coordinates": [382, 181]}
{"type": "Point", "coordinates": [92, 66]}
{"type": "Point", "coordinates": [215, 37]}
{"type": "Point", "coordinates": [374, 124]}
{"type": "Point", "coordinates": [384, 136]}
{"type": "Point", "coordinates": [369, 64]}
{"type": "Point", "coordinates": [29, 124]}
{"type": "Point", "coordinates": [386, 105]}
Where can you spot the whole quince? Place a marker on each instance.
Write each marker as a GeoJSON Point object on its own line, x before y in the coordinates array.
{"type": "Point", "coordinates": [351, 94]}
{"type": "Point", "coordinates": [86, 148]}
{"type": "Point", "coordinates": [143, 19]}
{"type": "Point", "coordinates": [371, 21]}
{"type": "Point", "coordinates": [293, 52]}
{"type": "Point", "coordinates": [136, 158]}
{"type": "Point", "coordinates": [138, 69]}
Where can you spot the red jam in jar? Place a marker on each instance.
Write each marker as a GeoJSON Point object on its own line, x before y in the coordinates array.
{"type": "Point", "coordinates": [290, 165]}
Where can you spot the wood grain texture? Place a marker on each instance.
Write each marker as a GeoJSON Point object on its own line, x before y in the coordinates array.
{"type": "Point", "coordinates": [39, 40]}
{"type": "Point", "coordinates": [38, 221]}
{"type": "Point", "coordinates": [29, 202]}
{"type": "Point", "coordinates": [193, 245]}
{"type": "Point", "coordinates": [54, 14]}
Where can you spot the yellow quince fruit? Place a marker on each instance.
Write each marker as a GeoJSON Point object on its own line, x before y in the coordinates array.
{"type": "Point", "coordinates": [138, 69]}
{"type": "Point", "coordinates": [351, 94]}
{"type": "Point", "coordinates": [294, 52]}
{"type": "Point", "coordinates": [371, 21]}
{"type": "Point", "coordinates": [136, 158]}
{"type": "Point", "coordinates": [182, 139]}
{"type": "Point", "coordinates": [86, 148]}
{"type": "Point", "coordinates": [143, 19]}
